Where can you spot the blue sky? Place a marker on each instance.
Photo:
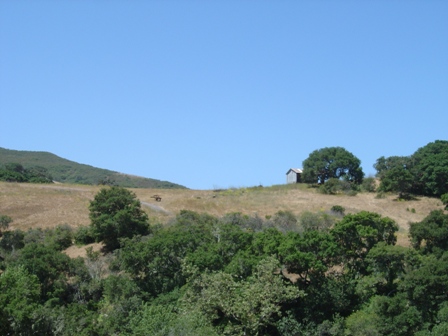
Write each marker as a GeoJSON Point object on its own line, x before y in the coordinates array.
{"type": "Point", "coordinates": [218, 94]}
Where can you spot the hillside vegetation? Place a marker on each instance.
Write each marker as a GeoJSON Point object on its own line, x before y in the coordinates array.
{"type": "Point", "coordinates": [46, 206]}
{"type": "Point", "coordinates": [283, 260]}
{"type": "Point", "coordinates": [66, 171]}
{"type": "Point", "coordinates": [341, 255]}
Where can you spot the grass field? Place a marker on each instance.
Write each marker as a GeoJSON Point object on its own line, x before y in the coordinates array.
{"type": "Point", "coordinates": [46, 206]}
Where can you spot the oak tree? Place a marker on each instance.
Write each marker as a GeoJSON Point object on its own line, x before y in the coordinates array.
{"type": "Point", "coordinates": [332, 162]}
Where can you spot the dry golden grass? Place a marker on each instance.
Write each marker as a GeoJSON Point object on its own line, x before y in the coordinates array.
{"type": "Point", "coordinates": [46, 206]}
{"type": "Point", "coordinates": [81, 251]}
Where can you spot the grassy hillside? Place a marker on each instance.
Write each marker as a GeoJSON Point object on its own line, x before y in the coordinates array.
{"type": "Point", "coordinates": [67, 171]}
{"type": "Point", "coordinates": [36, 205]}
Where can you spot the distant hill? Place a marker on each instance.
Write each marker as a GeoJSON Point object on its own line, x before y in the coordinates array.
{"type": "Point", "coordinates": [66, 171]}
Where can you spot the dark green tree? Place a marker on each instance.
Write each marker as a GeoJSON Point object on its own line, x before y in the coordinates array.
{"type": "Point", "coordinates": [12, 240]}
{"type": "Point", "coordinates": [425, 286]}
{"type": "Point", "coordinates": [332, 162]}
{"type": "Point", "coordinates": [397, 179]}
{"type": "Point", "coordinates": [308, 255]}
{"type": "Point", "coordinates": [19, 297]}
{"type": "Point", "coordinates": [155, 262]}
{"type": "Point", "coordinates": [386, 264]}
{"type": "Point", "coordinates": [15, 172]}
{"type": "Point", "coordinates": [246, 307]}
{"type": "Point", "coordinates": [396, 175]}
{"type": "Point", "coordinates": [163, 320]}
{"type": "Point", "coordinates": [423, 173]}
{"type": "Point", "coordinates": [38, 174]}
{"type": "Point", "coordinates": [430, 168]}
{"type": "Point", "coordinates": [383, 164]}
{"type": "Point", "coordinates": [4, 222]}
{"type": "Point", "coordinates": [50, 266]}
{"type": "Point", "coordinates": [397, 316]}
{"type": "Point", "coordinates": [15, 167]}
{"type": "Point", "coordinates": [116, 213]}
{"type": "Point", "coordinates": [444, 199]}
{"type": "Point", "coordinates": [431, 234]}
{"type": "Point", "coordinates": [357, 234]}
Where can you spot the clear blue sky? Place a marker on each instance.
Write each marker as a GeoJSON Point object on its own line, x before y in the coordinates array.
{"type": "Point", "coordinates": [218, 94]}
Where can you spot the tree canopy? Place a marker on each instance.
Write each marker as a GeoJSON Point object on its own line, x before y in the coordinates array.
{"type": "Point", "coordinates": [15, 172]}
{"type": "Point", "coordinates": [430, 167]}
{"type": "Point", "coordinates": [116, 213]}
{"type": "Point", "coordinates": [232, 275]}
{"type": "Point", "coordinates": [332, 162]}
{"type": "Point", "coordinates": [423, 173]}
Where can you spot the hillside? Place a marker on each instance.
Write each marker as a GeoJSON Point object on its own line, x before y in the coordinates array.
{"type": "Point", "coordinates": [36, 205]}
{"type": "Point", "coordinates": [66, 171]}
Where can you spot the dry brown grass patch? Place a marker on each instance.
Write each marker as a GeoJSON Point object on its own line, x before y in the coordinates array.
{"type": "Point", "coordinates": [46, 206]}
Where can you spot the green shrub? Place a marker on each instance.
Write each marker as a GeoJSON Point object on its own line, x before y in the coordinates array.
{"type": "Point", "coordinates": [84, 236]}
{"type": "Point", "coordinates": [335, 186]}
{"type": "Point", "coordinates": [4, 222]}
{"type": "Point", "coordinates": [319, 221]}
{"type": "Point", "coordinates": [337, 209]}
{"type": "Point", "coordinates": [368, 184]}
{"type": "Point", "coordinates": [444, 199]}
{"type": "Point", "coordinates": [60, 238]}
{"type": "Point", "coordinates": [285, 220]}
{"type": "Point", "coordinates": [12, 240]}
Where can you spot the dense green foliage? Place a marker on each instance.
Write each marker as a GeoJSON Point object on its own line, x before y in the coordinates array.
{"type": "Point", "coordinates": [334, 186]}
{"type": "Point", "coordinates": [4, 223]}
{"type": "Point", "coordinates": [67, 171]}
{"type": "Point", "coordinates": [444, 199]}
{"type": "Point", "coordinates": [116, 213]}
{"type": "Point", "coordinates": [431, 234]}
{"type": "Point", "coordinates": [15, 172]}
{"type": "Point", "coordinates": [332, 162]}
{"type": "Point", "coordinates": [423, 173]}
{"type": "Point", "coordinates": [320, 273]}
{"type": "Point", "coordinates": [324, 273]}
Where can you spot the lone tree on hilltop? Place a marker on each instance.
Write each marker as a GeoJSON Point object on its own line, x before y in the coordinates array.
{"type": "Point", "coordinates": [116, 213]}
{"type": "Point", "coordinates": [332, 162]}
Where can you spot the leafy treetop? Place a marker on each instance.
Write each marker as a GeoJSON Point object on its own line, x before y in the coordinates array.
{"type": "Point", "coordinates": [332, 162]}
{"type": "Point", "coordinates": [116, 213]}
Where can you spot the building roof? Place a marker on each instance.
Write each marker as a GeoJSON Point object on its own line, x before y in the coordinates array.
{"type": "Point", "coordinates": [295, 170]}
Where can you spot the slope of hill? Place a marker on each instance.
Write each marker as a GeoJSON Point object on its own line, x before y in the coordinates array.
{"type": "Point", "coordinates": [46, 206]}
{"type": "Point", "coordinates": [66, 171]}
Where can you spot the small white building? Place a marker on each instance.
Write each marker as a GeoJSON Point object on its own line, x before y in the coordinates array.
{"type": "Point", "coordinates": [294, 175]}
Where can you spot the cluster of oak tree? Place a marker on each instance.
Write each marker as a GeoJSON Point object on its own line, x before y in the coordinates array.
{"type": "Point", "coordinates": [423, 173]}
{"type": "Point", "coordinates": [15, 172]}
{"type": "Point", "coordinates": [325, 273]}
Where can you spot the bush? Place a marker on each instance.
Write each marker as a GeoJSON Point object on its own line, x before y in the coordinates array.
{"type": "Point", "coordinates": [368, 184]}
{"type": "Point", "coordinates": [444, 199]}
{"type": "Point", "coordinates": [15, 172]}
{"type": "Point", "coordinates": [319, 221]}
{"type": "Point", "coordinates": [337, 209]}
{"type": "Point", "coordinates": [285, 221]}
{"type": "Point", "coordinates": [60, 238]}
{"type": "Point", "coordinates": [84, 236]}
{"type": "Point", "coordinates": [116, 213]}
{"type": "Point", "coordinates": [335, 186]}
{"type": "Point", "coordinates": [4, 222]}
{"type": "Point", "coordinates": [12, 240]}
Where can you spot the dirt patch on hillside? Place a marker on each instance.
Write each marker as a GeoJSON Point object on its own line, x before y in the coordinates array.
{"type": "Point", "coordinates": [81, 251]}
